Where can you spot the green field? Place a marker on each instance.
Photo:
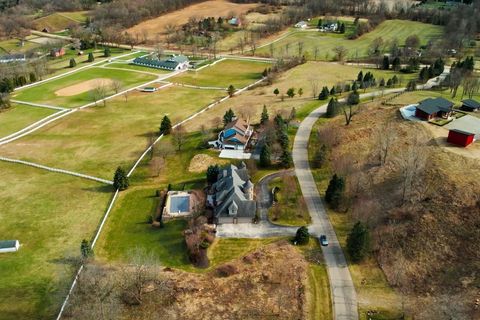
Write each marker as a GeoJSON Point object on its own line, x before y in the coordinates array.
{"type": "Point", "coordinates": [13, 46]}
{"type": "Point", "coordinates": [46, 92]}
{"type": "Point", "coordinates": [19, 117]}
{"type": "Point", "coordinates": [79, 16]}
{"type": "Point", "coordinates": [49, 214]}
{"type": "Point", "coordinates": [224, 73]}
{"type": "Point", "coordinates": [358, 48]}
{"type": "Point", "coordinates": [97, 140]}
{"type": "Point", "coordinates": [56, 22]}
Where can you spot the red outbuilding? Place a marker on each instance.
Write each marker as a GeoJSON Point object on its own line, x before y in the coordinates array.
{"type": "Point", "coordinates": [460, 138]}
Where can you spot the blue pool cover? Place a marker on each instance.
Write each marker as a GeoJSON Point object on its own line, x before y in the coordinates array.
{"type": "Point", "coordinates": [180, 204]}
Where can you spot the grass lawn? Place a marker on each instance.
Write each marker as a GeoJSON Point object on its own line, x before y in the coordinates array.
{"type": "Point", "coordinates": [13, 46]}
{"type": "Point", "coordinates": [417, 96]}
{"type": "Point", "coordinates": [62, 64]}
{"type": "Point", "coordinates": [49, 214]}
{"type": "Point", "coordinates": [55, 22]}
{"type": "Point", "coordinates": [134, 67]}
{"type": "Point", "coordinates": [224, 73]}
{"type": "Point", "coordinates": [97, 140]}
{"type": "Point", "coordinates": [19, 117]}
{"type": "Point", "coordinates": [127, 229]}
{"type": "Point", "coordinates": [46, 92]}
{"type": "Point", "coordinates": [80, 16]}
{"type": "Point", "coordinates": [326, 42]}
{"type": "Point", "coordinates": [290, 209]}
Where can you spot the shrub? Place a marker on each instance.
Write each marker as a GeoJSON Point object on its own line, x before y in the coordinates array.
{"type": "Point", "coordinates": [302, 236]}
{"type": "Point", "coordinates": [358, 242]}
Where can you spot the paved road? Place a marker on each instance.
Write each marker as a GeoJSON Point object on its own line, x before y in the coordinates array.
{"type": "Point", "coordinates": [344, 298]}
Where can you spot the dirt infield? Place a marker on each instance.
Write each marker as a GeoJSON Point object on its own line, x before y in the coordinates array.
{"type": "Point", "coordinates": [218, 8]}
{"type": "Point", "coordinates": [83, 87]}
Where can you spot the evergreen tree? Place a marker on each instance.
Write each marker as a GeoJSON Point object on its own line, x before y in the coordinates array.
{"type": "Point", "coordinates": [106, 52]}
{"type": "Point", "coordinates": [394, 80]}
{"type": "Point", "coordinates": [165, 126]}
{"type": "Point", "coordinates": [382, 82]}
{"type": "Point", "coordinates": [319, 24]}
{"type": "Point", "coordinates": [386, 63]}
{"type": "Point", "coordinates": [396, 64]}
{"type": "Point", "coordinates": [286, 159]}
{"type": "Point", "coordinates": [335, 190]}
{"type": "Point", "coordinates": [302, 236]}
{"type": "Point", "coordinates": [320, 156]}
{"type": "Point", "coordinates": [358, 242]}
{"type": "Point", "coordinates": [291, 92]}
{"type": "Point", "coordinates": [389, 83]}
{"type": "Point", "coordinates": [347, 87]}
{"type": "Point", "coordinates": [353, 98]}
{"type": "Point", "coordinates": [22, 81]}
{"type": "Point", "coordinates": [264, 116]}
{"type": "Point", "coordinates": [276, 92]}
{"type": "Point", "coordinates": [342, 28]}
{"type": "Point", "coordinates": [86, 250]}
{"type": "Point", "coordinates": [212, 173]}
{"type": "Point", "coordinates": [300, 92]}
{"type": "Point", "coordinates": [33, 77]}
{"type": "Point", "coordinates": [333, 91]}
{"type": "Point", "coordinates": [228, 116]}
{"type": "Point", "coordinates": [120, 180]}
{"type": "Point", "coordinates": [324, 94]}
{"type": "Point", "coordinates": [91, 58]}
{"type": "Point", "coordinates": [265, 72]}
{"type": "Point", "coordinates": [231, 90]}
{"type": "Point", "coordinates": [73, 63]}
{"type": "Point", "coordinates": [354, 86]}
{"type": "Point", "coordinates": [360, 76]}
{"type": "Point", "coordinates": [265, 156]}
{"type": "Point", "coordinates": [332, 108]}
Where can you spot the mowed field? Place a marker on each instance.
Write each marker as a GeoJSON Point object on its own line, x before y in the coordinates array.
{"type": "Point", "coordinates": [238, 73]}
{"type": "Point", "coordinates": [97, 140]}
{"type": "Point", "coordinates": [20, 116]}
{"type": "Point", "coordinates": [80, 83]}
{"type": "Point", "coordinates": [49, 214]}
{"type": "Point", "coordinates": [387, 30]}
{"type": "Point", "coordinates": [217, 8]}
{"type": "Point", "coordinates": [55, 22]}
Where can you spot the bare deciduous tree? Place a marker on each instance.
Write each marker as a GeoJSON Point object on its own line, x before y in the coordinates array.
{"type": "Point", "coordinates": [314, 85]}
{"type": "Point", "coordinates": [340, 53]}
{"type": "Point", "coordinates": [411, 163]}
{"type": "Point", "coordinates": [386, 135]}
{"type": "Point", "coordinates": [179, 137]}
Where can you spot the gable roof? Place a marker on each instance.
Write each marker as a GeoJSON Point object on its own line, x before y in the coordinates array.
{"type": "Point", "coordinates": [471, 103]}
{"type": "Point", "coordinates": [238, 124]}
{"type": "Point", "coordinates": [466, 133]}
{"type": "Point", "coordinates": [434, 105]}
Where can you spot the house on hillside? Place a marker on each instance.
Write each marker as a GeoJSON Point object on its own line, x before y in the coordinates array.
{"type": "Point", "coordinates": [460, 137]}
{"type": "Point", "coordinates": [470, 105]}
{"type": "Point", "coordinates": [234, 21]}
{"type": "Point", "coordinates": [329, 27]}
{"type": "Point", "coordinates": [235, 136]}
{"type": "Point", "coordinates": [19, 57]}
{"type": "Point", "coordinates": [57, 52]}
{"type": "Point", "coordinates": [301, 25]}
{"type": "Point", "coordinates": [432, 108]}
{"type": "Point", "coordinates": [232, 196]}
{"type": "Point", "coordinates": [173, 63]}
{"type": "Point", "coordinates": [9, 246]}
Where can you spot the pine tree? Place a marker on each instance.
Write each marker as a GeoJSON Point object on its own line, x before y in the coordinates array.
{"type": "Point", "coordinates": [360, 76]}
{"type": "Point", "coordinates": [264, 116]}
{"type": "Point", "coordinates": [286, 159]}
{"type": "Point", "coordinates": [335, 190]}
{"type": "Point", "coordinates": [228, 116]}
{"type": "Point", "coordinates": [324, 94]}
{"type": "Point", "coordinates": [276, 92]}
{"type": "Point", "coordinates": [354, 86]}
{"type": "Point", "coordinates": [358, 242]}
{"type": "Point", "coordinates": [86, 249]}
{"type": "Point", "coordinates": [73, 63]}
{"type": "Point", "coordinates": [382, 82]}
{"type": "Point", "coordinates": [120, 180]}
{"type": "Point", "coordinates": [342, 28]}
{"type": "Point", "coordinates": [333, 91]}
{"type": "Point", "coordinates": [302, 236]}
{"type": "Point", "coordinates": [396, 64]}
{"type": "Point", "coordinates": [91, 58]}
{"type": "Point", "coordinates": [165, 126]}
{"type": "Point", "coordinates": [389, 83]}
{"type": "Point", "coordinates": [265, 156]}
{"type": "Point", "coordinates": [386, 63]}
{"type": "Point", "coordinates": [332, 108]}
{"type": "Point", "coordinates": [395, 80]}
{"type": "Point", "coordinates": [231, 90]}
{"type": "Point", "coordinates": [106, 52]}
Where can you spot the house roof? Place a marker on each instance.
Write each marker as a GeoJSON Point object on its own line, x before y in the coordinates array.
{"type": "Point", "coordinates": [7, 244]}
{"type": "Point", "coordinates": [471, 103]}
{"type": "Point", "coordinates": [239, 124]}
{"type": "Point", "coordinates": [434, 105]}
{"type": "Point", "coordinates": [169, 64]}
{"type": "Point", "coordinates": [236, 138]}
{"type": "Point", "coordinates": [463, 132]}
{"type": "Point", "coordinates": [16, 56]}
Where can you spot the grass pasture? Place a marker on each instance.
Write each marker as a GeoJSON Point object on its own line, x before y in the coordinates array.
{"type": "Point", "coordinates": [20, 116]}
{"type": "Point", "coordinates": [13, 46]}
{"type": "Point", "coordinates": [358, 48]}
{"type": "Point", "coordinates": [55, 22]}
{"type": "Point", "coordinates": [80, 16]}
{"type": "Point", "coordinates": [49, 214]}
{"type": "Point", "coordinates": [46, 92]}
{"type": "Point", "coordinates": [96, 140]}
{"type": "Point", "coordinates": [238, 73]}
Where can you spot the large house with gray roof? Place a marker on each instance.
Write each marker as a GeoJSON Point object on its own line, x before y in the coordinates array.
{"type": "Point", "coordinates": [173, 63]}
{"type": "Point", "coordinates": [232, 196]}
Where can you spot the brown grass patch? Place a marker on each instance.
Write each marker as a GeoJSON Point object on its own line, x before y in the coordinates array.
{"type": "Point", "coordinates": [215, 8]}
{"type": "Point", "coordinates": [83, 87]}
{"type": "Point", "coordinates": [200, 162]}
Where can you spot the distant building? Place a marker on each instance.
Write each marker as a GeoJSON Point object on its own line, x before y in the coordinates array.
{"type": "Point", "coordinates": [173, 63]}
{"type": "Point", "coordinates": [234, 136]}
{"type": "Point", "coordinates": [460, 137]}
{"type": "Point", "coordinates": [432, 108]}
{"type": "Point", "coordinates": [232, 196]}
{"type": "Point", "coordinates": [57, 52]}
{"type": "Point", "coordinates": [9, 246]}
{"type": "Point", "coordinates": [19, 57]}
{"type": "Point", "coordinates": [301, 25]}
{"type": "Point", "coordinates": [236, 22]}
{"type": "Point", "coordinates": [470, 105]}
{"type": "Point", "coordinates": [329, 27]}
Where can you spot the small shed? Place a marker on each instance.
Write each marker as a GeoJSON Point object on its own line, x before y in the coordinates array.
{"type": "Point", "coordinates": [470, 105]}
{"type": "Point", "coordinates": [9, 246]}
{"type": "Point", "coordinates": [460, 137]}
